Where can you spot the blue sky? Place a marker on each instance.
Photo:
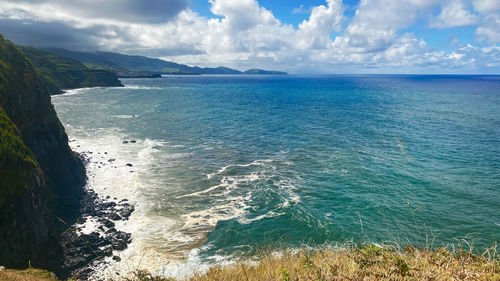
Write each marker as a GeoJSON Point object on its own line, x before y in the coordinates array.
{"type": "Point", "coordinates": [316, 36]}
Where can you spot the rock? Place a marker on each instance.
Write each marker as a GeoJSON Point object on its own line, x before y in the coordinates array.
{"type": "Point", "coordinates": [116, 258]}
{"type": "Point", "coordinates": [111, 230]}
{"type": "Point", "coordinates": [109, 224]}
{"type": "Point", "coordinates": [108, 205]}
{"type": "Point", "coordinates": [115, 217]}
{"type": "Point", "coordinates": [126, 211]}
{"type": "Point", "coordinates": [107, 251]}
{"type": "Point", "coordinates": [120, 246]}
{"type": "Point", "coordinates": [2, 268]}
{"type": "Point", "coordinates": [111, 160]}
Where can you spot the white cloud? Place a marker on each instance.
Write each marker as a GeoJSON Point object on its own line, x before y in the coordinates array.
{"type": "Point", "coordinates": [246, 35]}
{"type": "Point", "coordinates": [301, 10]}
{"type": "Point", "coordinates": [489, 30]}
{"type": "Point", "coordinates": [454, 14]}
{"type": "Point", "coordinates": [315, 32]}
{"type": "Point", "coordinates": [374, 29]}
{"type": "Point", "coordinates": [486, 6]}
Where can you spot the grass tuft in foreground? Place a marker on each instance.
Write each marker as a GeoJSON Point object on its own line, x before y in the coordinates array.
{"type": "Point", "coordinates": [370, 262]}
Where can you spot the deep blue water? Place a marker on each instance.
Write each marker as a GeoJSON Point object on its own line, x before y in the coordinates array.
{"type": "Point", "coordinates": [227, 163]}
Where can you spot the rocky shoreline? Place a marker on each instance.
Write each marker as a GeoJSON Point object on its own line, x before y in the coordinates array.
{"type": "Point", "coordinates": [82, 252]}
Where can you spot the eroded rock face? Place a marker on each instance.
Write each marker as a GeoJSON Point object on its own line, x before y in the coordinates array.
{"type": "Point", "coordinates": [27, 230]}
{"type": "Point", "coordinates": [45, 181]}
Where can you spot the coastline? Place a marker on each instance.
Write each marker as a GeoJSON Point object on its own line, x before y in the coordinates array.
{"type": "Point", "coordinates": [82, 250]}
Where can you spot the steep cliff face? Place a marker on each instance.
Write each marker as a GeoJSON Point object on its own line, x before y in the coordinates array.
{"type": "Point", "coordinates": [27, 223]}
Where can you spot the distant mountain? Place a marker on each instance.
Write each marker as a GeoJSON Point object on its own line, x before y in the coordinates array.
{"type": "Point", "coordinates": [65, 73]}
{"type": "Point", "coordinates": [261, 71]}
{"type": "Point", "coordinates": [131, 63]}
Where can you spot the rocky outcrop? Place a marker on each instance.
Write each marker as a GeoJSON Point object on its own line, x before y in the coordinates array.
{"type": "Point", "coordinates": [45, 182]}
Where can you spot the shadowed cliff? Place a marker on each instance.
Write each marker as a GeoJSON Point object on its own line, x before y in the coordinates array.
{"type": "Point", "coordinates": [40, 177]}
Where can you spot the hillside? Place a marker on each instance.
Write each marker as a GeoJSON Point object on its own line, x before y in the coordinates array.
{"type": "Point", "coordinates": [131, 63]}
{"type": "Point", "coordinates": [40, 177]}
{"type": "Point", "coordinates": [65, 73]}
{"type": "Point", "coordinates": [260, 71]}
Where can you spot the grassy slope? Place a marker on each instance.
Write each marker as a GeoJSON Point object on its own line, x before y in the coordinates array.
{"type": "Point", "coordinates": [66, 73]}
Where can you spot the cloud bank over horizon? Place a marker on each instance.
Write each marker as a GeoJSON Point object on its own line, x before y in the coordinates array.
{"type": "Point", "coordinates": [369, 36]}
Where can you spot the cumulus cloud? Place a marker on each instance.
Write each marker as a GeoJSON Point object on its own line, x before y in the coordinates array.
{"type": "Point", "coordinates": [315, 32]}
{"type": "Point", "coordinates": [374, 29]}
{"type": "Point", "coordinates": [454, 14]}
{"type": "Point", "coordinates": [245, 34]}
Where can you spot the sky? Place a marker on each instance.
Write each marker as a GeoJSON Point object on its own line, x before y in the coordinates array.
{"type": "Point", "coordinates": [297, 36]}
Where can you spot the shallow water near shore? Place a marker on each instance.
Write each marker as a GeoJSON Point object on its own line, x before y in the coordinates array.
{"type": "Point", "coordinates": [222, 164]}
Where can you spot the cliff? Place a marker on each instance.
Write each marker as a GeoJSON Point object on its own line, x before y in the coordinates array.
{"type": "Point", "coordinates": [40, 177]}
{"type": "Point", "coordinates": [66, 73]}
{"type": "Point", "coordinates": [25, 219]}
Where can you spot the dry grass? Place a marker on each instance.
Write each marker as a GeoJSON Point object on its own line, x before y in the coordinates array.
{"type": "Point", "coordinates": [368, 263]}
{"type": "Point", "coordinates": [29, 274]}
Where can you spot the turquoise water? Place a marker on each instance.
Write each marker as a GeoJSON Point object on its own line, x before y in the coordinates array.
{"type": "Point", "coordinates": [226, 163]}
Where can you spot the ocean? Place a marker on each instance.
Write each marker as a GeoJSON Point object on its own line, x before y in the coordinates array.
{"type": "Point", "coordinates": [220, 166]}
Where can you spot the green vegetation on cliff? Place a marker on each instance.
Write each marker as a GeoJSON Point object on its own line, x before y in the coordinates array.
{"type": "Point", "coordinates": [17, 162]}
{"type": "Point", "coordinates": [66, 73]}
